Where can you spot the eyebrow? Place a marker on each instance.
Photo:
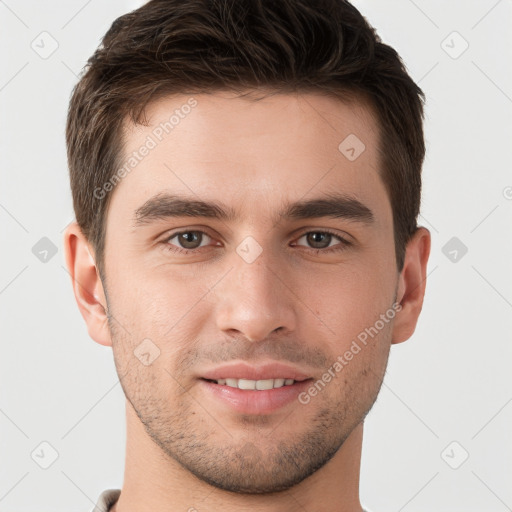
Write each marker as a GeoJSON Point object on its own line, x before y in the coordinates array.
{"type": "Point", "coordinates": [164, 206]}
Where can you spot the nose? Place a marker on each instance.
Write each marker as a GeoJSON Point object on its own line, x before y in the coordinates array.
{"type": "Point", "coordinates": [255, 299]}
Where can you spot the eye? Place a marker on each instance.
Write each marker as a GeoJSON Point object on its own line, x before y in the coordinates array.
{"type": "Point", "coordinates": [321, 241]}
{"type": "Point", "coordinates": [189, 241]}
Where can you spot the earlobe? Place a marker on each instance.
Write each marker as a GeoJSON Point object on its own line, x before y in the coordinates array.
{"type": "Point", "coordinates": [411, 285]}
{"type": "Point", "coordinates": [87, 285]}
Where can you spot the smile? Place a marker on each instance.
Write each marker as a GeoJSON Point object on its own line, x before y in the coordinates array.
{"type": "Point", "coordinates": [259, 385]}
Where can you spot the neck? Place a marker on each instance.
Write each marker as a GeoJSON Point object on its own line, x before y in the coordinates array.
{"type": "Point", "coordinates": [155, 482]}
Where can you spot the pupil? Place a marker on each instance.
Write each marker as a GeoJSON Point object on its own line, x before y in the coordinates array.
{"type": "Point", "coordinates": [317, 238]}
{"type": "Point", "coordinates": [189, 238]}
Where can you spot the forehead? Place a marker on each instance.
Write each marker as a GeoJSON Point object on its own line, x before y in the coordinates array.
{"type": "Point", "coordinates": [253, 155]}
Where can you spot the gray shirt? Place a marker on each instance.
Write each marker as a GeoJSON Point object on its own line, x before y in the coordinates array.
{"type": "Point", "coordinates": [106, 500]}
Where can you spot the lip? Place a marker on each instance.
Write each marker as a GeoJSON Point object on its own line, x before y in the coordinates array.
{"type": "Point", "coordinates": [251, 401]}
{"type": "Point", "coordinates": [272, 370]}
{"type": "Point", "coordinates": [244, 401]}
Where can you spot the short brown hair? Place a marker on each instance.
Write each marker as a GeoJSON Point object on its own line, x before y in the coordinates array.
{"type": "Point", "coordinates": [193, 46]}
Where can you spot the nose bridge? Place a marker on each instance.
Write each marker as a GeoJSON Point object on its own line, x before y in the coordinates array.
{"type": "Point", "coordinates": [253, 298]}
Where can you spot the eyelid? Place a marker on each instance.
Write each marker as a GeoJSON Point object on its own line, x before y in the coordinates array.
{"type": "Point", "coordinates": [202, 229]}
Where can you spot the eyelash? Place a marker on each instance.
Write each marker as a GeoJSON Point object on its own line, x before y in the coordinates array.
{"type": "Point", "coordinates": [337, 248]}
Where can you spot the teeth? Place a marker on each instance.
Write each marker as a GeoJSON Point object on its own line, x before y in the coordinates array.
{"type": "Point", "coordinates": [246, 384]}
{"type": "Point", "coordinates": [256, 384]}
{"type": "Point", "coordinates": [264, 384]}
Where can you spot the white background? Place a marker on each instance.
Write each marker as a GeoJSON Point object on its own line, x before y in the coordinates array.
{"type": "Point", "coordinates": [451, 382]}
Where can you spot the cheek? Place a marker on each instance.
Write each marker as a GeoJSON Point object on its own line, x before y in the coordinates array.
{"type": "Point", "coordinates": [164, 317]}
{"type": "Point", "coordinates": [350, 301]}
{"type": "Point", "coordinates": [155, 299]}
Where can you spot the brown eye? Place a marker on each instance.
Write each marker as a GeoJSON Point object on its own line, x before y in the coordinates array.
{"type": "Point", "coordinates": [322, 241]}
{"type": "Point", "coordinates": [186, 241]}
{"type": "Point", "coordinates": [189, 239]}
{"type": "Point", "coordinates": [319, 240]}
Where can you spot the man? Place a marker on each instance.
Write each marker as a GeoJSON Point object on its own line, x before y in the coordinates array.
{"type": "Point", "coordinates": [246, 182]}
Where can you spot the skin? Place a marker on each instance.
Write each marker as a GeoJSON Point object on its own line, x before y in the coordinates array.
{"type": "Point", "coordinates": [211, 306]}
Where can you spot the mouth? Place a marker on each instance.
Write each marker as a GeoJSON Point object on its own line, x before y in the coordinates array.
{"type": "Point", "coordinates": [256, 385]}
{"type": "Point", "coordinates": [253, 397]}
{"type": "Point", "coordinates": [243, 388]}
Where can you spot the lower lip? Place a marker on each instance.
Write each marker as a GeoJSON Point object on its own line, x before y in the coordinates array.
{"type": "Point", "coordinates": [255, 402]}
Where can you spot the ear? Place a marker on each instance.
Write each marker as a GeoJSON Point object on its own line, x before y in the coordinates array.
{"type": "Point", "coordinates": [87, 285]}
{"type": "Point", "coordinates": [411, 285]}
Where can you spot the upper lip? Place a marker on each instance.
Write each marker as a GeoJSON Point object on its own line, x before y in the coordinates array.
{"type": "Point", "coordinates": [271, 370]}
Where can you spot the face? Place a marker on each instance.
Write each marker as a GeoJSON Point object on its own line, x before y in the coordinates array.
{"type": "Point", "coordinates": [284, 260]}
